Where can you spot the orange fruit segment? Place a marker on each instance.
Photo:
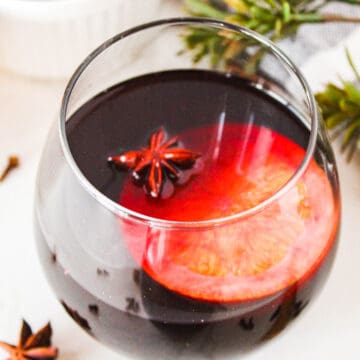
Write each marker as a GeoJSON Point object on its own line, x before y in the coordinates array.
{"type": "Point", "coordinates": [252, 257]}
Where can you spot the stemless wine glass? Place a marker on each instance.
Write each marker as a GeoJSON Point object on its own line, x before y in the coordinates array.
{"type": "Point", "coordinates": [232, 249]}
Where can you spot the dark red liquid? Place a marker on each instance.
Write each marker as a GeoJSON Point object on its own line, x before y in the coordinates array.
{"type": "Point", "coordinates": [206, 293]}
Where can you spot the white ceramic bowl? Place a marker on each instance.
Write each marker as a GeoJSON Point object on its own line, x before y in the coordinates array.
{"type": "Point", "coordinates": [49, 38]}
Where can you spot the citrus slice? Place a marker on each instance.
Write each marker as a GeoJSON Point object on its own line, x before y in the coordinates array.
{"type": "Point", "coordinates": [249, 258]}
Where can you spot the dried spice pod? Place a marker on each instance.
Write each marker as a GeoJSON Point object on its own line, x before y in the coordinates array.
{"type": "Point", "coordinates": [32, 346]}
{"type": "Point", "coordinates": [13, 163]}
{"type": "Point", "coordinates": [153, 165]}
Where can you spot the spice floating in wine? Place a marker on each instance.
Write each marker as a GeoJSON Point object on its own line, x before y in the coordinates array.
{"type": "Point", "coordinates": [154, 165]}
{"type": "Point", "coordinates": [13, 163]}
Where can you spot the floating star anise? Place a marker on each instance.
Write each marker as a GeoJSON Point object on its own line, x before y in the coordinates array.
{"type": "Point", "coordinates": [152, 166]}
{"type": "Point", "coordinates": [32, 346]}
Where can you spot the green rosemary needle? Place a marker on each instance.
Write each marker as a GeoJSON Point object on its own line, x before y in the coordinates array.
{"type": "Point", "coordinates": [276, 19]}
{"type": "Point", "coordinates": [340, 106]}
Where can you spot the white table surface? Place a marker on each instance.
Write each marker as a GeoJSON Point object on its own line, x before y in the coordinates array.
{"type": "Point", "coordinates": [328, 329]}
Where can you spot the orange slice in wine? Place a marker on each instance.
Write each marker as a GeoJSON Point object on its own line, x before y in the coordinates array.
{"type": "Point", "coordinates": [250, 258]}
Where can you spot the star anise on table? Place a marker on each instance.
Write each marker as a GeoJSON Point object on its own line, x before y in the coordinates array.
{"type": "Point", "coordinates": [32, 346]}
{"type": "Point", "coordinates": [153, 165]}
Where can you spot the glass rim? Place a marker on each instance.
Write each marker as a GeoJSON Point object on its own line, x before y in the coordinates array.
{"type": "Point", "coordinates": [126, 213]}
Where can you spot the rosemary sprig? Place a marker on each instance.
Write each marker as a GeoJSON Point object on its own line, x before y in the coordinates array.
{"type": "Point", "coordinates": [276, 19]}
{"type": "Point", "coordinates": [340, 107]}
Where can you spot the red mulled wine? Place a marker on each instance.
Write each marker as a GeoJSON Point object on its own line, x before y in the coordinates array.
{"type": "Point", "coordinates": [195, 292]}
